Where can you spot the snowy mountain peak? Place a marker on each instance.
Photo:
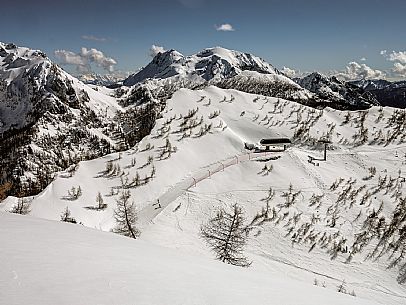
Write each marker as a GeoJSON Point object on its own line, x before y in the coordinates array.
{"type": "Point", "coordinates": [371, 84]}
{"type": "Point", "coordinates": [16, 60]}
{"type": "Point", "coordinates": [10, 48]}
{"type": "Point", "coordinates": [211, 63]}
{"type": "Point", "coordinates": [167, 57]}
{"type": "Point", "coordinates": [316, 77]}
{"type": "Point", "coordinates": [243, 60]}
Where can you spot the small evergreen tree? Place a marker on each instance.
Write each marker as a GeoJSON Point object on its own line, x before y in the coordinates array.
{"type": "Point", "coordinates": [136, 179]}
{"type": "Point", "coordinates": [78, 192]}
{"type": "Point", "coordinates": [153, 171]}
{"type": "Point", "coordinates": [226, 235]}
{"type": "Point", "coordinates": [66, 216]}
{"type": "Point", "coordinates": [74, 193]}
{"type": "Point", "coordinates": [341, 288]}
{"type": "Point", "coordinates": [126, 216]}
{"type": "Point", "coordinates": [109, 166]}
{"type": "Point", "coordinates": [22, 207]}
{"type": "Point", "coordinates": [100, 202]}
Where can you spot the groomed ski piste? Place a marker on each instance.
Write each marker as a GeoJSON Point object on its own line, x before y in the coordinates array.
{"type": "Point", "coordinates": [193, 162]}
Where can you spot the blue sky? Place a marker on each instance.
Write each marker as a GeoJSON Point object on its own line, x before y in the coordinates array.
{"type": "Point", "coordinates": [304, 35]}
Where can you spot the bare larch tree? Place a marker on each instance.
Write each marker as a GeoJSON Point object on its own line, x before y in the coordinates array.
{"type": "Point", "coordinates": [227, 235]}
{"type": "Point", "coordinates": [126, 216]}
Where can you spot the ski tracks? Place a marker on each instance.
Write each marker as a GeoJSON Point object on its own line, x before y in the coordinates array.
{"type": "Point", "coordinates": [147, 214]}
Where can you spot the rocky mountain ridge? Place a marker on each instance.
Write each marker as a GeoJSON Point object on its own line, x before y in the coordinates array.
{"type": "Point", "coordinates": [392, 94]}
{"type": "Point", "coordinates": [50, 120]}
{"type": "Point", "coordinates": [336, 91]}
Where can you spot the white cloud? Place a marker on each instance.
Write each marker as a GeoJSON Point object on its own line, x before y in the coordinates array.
{"type": "Point", "coordinates": [289, 72]}
{"type": "Point", "coordinates": [85, 58]}
{"type": "Point", "coordinates": [399, 59]}
{"type": "Point", "coordinates": [70, 58]}
{"type": "Point", "coordinates": [398, 56]}
{"type": "Point", "coordinates": [355, 71]}
{"type": "Point", "coordinates": [154, 50]}
{"type": "Point", "coordinates": [94, 38]}
{"type": "Point", "coordinates": [363, 59]}
{"type": "Point", "coordinates": [97, 57]}
{"type": "Point", "coordinates": [399, 69]}
{"type": "Point", "coordinates": [225, 27]}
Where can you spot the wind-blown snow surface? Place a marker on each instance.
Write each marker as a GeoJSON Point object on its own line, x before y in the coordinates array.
{"type": "Point", "coordinates": [66, 264]}
{"type": "Point", "coordinates": [235, 118]}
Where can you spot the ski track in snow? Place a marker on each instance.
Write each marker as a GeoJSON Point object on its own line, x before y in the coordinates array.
{"type": "Point", "coordinates": [151, 211]}
{"type": "Point", "coordinates": [284, 261]}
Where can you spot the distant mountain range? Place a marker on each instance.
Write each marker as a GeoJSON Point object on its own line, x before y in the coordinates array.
{"type": "Point", "coordinates": [231, 69]}
{"type": "Point", "coordinates": [332, 89]}
{"type": "Point", "coordinates": [107, 80]}
{"type": "Point", "coordinates": [391, 94]}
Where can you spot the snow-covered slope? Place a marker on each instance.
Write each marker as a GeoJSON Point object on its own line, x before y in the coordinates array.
{"type": "Point", "coordinates": [48, 120]}
{"type": "Point", "coordinates": [338, 222]}
{"type": "Point", "coordinates": [21, 71]}
{"type": "Point", "coordinates": [194, 161]}
{"type": "Point", "coordinates": [66, 264]}
{"type": "Point", "coordinates": [33, 86]}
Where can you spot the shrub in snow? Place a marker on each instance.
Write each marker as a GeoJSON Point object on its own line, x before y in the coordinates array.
{"type": "Point", "coordinates": [74, 193]}
{"type": "Point", "coordinates": [22, 207]}
{"type": "Point", "coordinates": [66, 216]}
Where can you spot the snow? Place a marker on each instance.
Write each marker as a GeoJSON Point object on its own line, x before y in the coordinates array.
{"type": "Point", "coordinates": [169, 264]}
{"type": "Point", "coordinates": [15, 60]}
{"type": "Point", "coordinates": [60, 263]}
{"type": "Point", "coordinates": [103, 79]}
{"type": "Point", "coordinates": [333, 90]}
{"type": "Point", "coordinates": [212, 63]}
{"type": "Point", "coordinates": [192, 183]}
{"type": "Point", "coordinates": [18, 62]}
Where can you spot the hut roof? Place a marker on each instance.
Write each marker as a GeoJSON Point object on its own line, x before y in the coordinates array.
{"type": "Point", "coordinates": [275, 141]}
